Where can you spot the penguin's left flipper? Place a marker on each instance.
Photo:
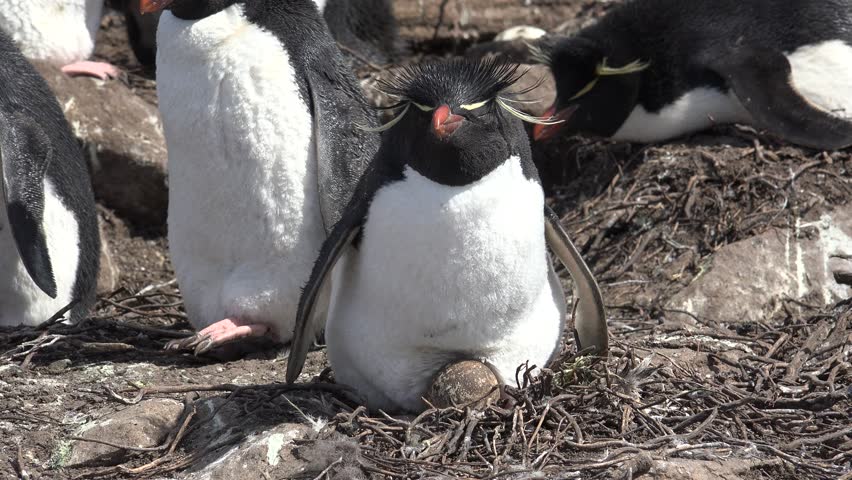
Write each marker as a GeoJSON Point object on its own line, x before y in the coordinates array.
{"type": "Point", "coordinates": [25, 154]}
{"type": "Point", "coordinates": [590, 321]}
{"type": "Point", "coordinates": [343, 151]}
{"type": "Point", "coordinates": [332, 249]}
{"type": "Point", "coordinates": [762, 80]}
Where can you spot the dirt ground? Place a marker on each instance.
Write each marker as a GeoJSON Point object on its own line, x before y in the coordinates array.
{"type": "Point", "coordinates": [757, 400]}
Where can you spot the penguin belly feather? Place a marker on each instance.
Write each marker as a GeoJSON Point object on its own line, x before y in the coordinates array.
{"type": "Point", "coordinates": [444, 273]}
{"type": "Point", "coordinates": [22, 302]}
{"type": "Point", "coordinates": [244, 220]}
{"type": "Point", "coordinates": [58, 31]}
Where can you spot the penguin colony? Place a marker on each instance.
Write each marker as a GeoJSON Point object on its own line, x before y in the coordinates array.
{"type": "Point", "coordinates": [415, 244]}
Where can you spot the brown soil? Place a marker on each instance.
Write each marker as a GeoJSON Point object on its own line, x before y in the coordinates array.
{"type": "Point", "coordinates": [647, 219]}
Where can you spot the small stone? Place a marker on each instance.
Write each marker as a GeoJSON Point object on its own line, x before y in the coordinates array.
{"type": "Point", "coordinates": [59, 366]}
{"type": "Point", "coordinates": [464, 383]}
{"type": "Point", "coordinates": [108, 274]}
{"type": "Point", "coordinates": [145, 424]}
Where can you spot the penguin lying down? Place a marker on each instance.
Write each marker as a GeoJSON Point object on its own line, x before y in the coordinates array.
{"type": "Point", "coordinates": [441, 256]}
{"type": "Point", "coordinates": [49, 243]}
{"type": "Point", "coordinates": [651, 70]}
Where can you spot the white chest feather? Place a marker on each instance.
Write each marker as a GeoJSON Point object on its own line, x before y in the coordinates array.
{"type": "Point", "coordinates": [244, 222]}
{"type": "Point", "coordinates": [21, 301]}
{"type": "Point", "coordinates": [822, 73]}
{"type": "Point", "coordinates": [444, 272]}
{"type": "Point", "coordinates": [696, 110]}
{"type": "Point", "coordinates": [59, 31]}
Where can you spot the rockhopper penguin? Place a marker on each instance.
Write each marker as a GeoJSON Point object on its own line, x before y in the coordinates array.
{"type": "Point", "coordinates": [61, 32]}
{"type": "Point", "coordinates": [652, 70]}
{"type": "Point", "coordinates": [259, 112]}
{"type": "Point", "coordinates": [442, 254]}
{"type": "Point", "coordinates": [49, 242]}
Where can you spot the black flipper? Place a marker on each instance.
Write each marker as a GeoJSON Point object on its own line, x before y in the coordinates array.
{"type": "Point", "coordinates": [25, 154]}
{"type": "Point", "coordinates": [590, 321]}
{"type": "Point", "coordinates": [341, 236]}
{"type": "Point", "coordinates": [762, 80]}
{"type": "Point", "coordinates": [343, 150]}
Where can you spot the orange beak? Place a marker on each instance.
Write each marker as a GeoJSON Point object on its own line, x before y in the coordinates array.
{"type": "Point", "coordinates": [152, 6]}
{"type": "Point", "coordinates": [544, 132]}
{"type": "Point", "coordinates": [444, 122]}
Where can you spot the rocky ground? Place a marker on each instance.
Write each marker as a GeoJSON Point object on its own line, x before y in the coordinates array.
{"type": "Point", "coordinates": [725, 260]}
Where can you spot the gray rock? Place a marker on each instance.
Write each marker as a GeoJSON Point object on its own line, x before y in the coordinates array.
{"type": "Point", "coordinates": [109, 274]}
{"type": "Point", "coordinates": [145, 424]}
{"type": "Point", "coordinates": [269, 454]}
{"type": "Point", "coordinates": [747, 281]}
{"type": "Point", "coordinates": [124, 141]}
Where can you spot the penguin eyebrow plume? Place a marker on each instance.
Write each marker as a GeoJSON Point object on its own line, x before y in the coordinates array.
{"type": "Point", "coordinates": [458, 81]}
{"type": "Point", "coordinates": [602, 70]}
{"type": "Point", "coordinates": [392, 122]}
{"type": "Point", "coordinates": [525, 116]}
{"type": "Point", "coordinates": [537, 54]}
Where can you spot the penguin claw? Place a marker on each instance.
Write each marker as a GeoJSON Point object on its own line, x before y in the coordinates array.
{"type": "Point", "coordinates": [217, 334]}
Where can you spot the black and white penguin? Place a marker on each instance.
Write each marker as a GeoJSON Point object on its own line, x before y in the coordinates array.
{"type": "Point", "coordinates": [49, 243]}
{"type": "Point", "coordinates": [443, 250]}
{"type": "Point", "coordinates": [61, 32]}
{"type": "Point", "coordinates": [259, 112]}
{"type": "Point", "coordinates": [651, 70]}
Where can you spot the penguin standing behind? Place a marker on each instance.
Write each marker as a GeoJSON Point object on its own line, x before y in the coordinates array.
{"type": "Point", "coordinates": [259, 112]}
{"type": "Point", "coordinates": [61, 32]}
{"type": "Point", "coordinates": [448, 257]}
{"type": "Point", "coordinates": [49, 243]}
{"type": "Point", "coordinates": [651, 70]}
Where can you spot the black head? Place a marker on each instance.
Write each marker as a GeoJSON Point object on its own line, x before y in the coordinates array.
{"type": "Point", "coordinates": [457, 122]}
{"type": "Point", "coordinates": [595, 90]}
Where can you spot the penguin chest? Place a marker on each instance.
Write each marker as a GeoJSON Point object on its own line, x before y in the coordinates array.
{"type": "Point", "coordinates": [451, 268]}
{"type": "Point", "coordinates": [60, 32]}
{"type": "Point", "coordinates": [239, 134]}
{"type": "Point", "coordinates": [244, 218]}
{"type": "Point", "coordinates": [22, 302]}
{"type": "Point", "coordinates": [822, 74]}
{"type": "Point", "coordinates": [697, 109]}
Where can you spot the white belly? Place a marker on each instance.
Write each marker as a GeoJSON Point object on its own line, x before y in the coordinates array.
{"type": "Point", "coordinates": [21, 301]}
{"type": "Point", "coordinates": [59, 31]}
{"type": "Point", "coordinates": [444, 272]}
{"type": "Point", "coordinates": [696, 110]}
{"type": "Point", "coordinates": [244, 221]}
{"type": "Point", "coordinates": [822, 73]}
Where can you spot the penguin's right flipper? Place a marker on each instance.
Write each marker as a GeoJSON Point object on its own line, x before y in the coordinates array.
{"type": "Point", "coordinates": [341, 236]}
{"type": "Point", "coordinates": [590, 322]}
{"type": "Point", "coordinates": [25, 154]}
{"type": "Point", "coordinates": [762, 80]}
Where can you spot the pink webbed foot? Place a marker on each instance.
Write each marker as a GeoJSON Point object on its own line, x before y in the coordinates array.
{"type": "Point", "coordinates": [218, 334]}
{"type": "Point", "coordinates": [101, 70]}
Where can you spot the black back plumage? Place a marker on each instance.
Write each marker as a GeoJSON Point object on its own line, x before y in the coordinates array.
{"type": "Point", "coordinates": [686, 45]}
{"type": "Point", "coordinates": [367, 27]}
{"type": "Point", "coordinates": [36, 143]}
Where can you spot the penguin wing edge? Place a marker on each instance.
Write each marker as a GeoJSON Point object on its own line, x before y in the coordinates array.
{"type": "Point", "coordinates": [332, 249]}
{"type": "Point", "coordinates": [590, 322]}
{"type": "Point", "coordinates": [25, 154]}
{"type": "Point", "coordinates": [762, 80]}
{"type": "Point", "coordinates": [343, 151]}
